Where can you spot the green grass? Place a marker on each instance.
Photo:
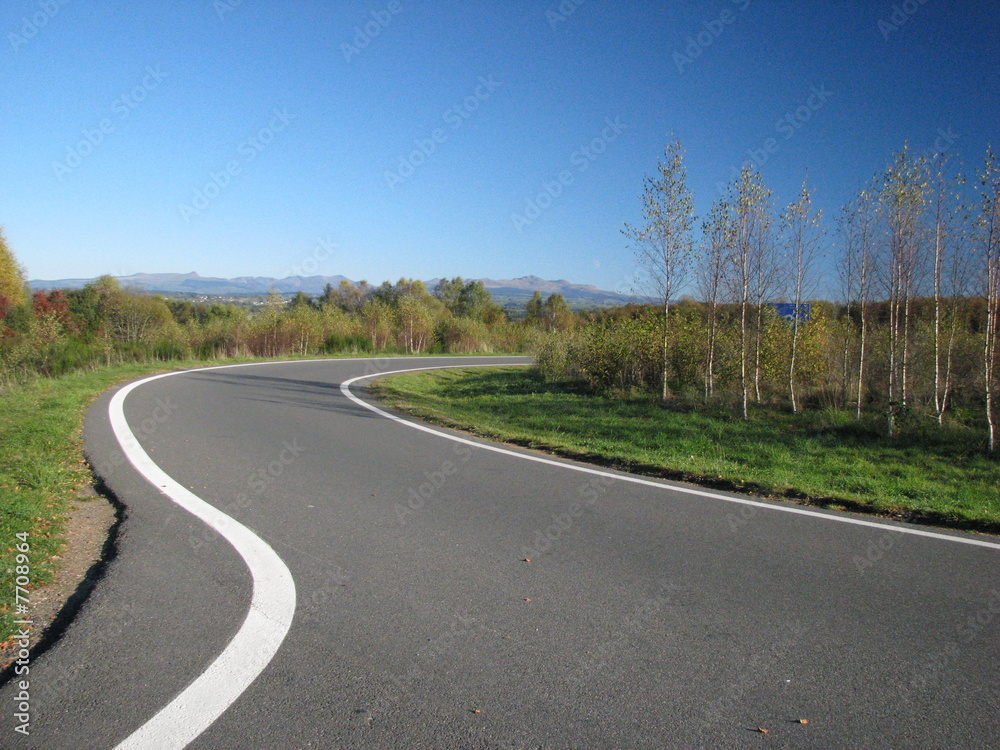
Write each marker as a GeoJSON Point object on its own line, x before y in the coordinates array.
{"type": "Point", "coordinates": [926, 474]}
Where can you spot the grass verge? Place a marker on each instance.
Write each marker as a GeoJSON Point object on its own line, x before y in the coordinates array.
{"type": "Point", "coordinates": [926, 474]}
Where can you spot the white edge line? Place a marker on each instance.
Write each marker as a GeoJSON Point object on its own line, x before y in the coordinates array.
{"type": "Point", "coordinates": [267, 622]}
{"type": "Point", "coordinates": [346, 390]}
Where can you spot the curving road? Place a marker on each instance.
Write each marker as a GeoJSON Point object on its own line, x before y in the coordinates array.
{"type": "Point", "coordinates": [650, 615]}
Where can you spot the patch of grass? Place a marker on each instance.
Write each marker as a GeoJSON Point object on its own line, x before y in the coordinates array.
{"type": "Point", "coordinates": [925, 474]}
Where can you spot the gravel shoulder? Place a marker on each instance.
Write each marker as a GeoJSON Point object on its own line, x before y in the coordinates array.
{"type": "Point", "coordinates": [88, 539]}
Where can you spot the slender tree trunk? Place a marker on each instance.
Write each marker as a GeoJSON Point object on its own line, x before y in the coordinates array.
{"type": "Point", "coordinates": [861, 360]}
{"type": "Point", "coordinates": [905, 351]}
{"type": "Point", "coordinates": [791, 367]}
{"type": "Point", "coordinates": [845, 366]}
{"type": "Point", "coordinates": [666, 347]}
{"type": "Point", "coordinates": [989, 354]}
{"type": "Point", "coordinates": [845, 359]}
{"type": "Point", "coordinates": [756, 353]}
{"type": "Point", "coordinates": [710, 369]}
{"type": "Point", "coordinates": [938, 401]}
{"type": "Point", "coordinates": [743, 355]}
{"type": "Point", "coordinates": [949, 358]}
{"type": "Point", "coordinates": [893, 336]}
{"type": "Point", "coordinates": [991, 225]}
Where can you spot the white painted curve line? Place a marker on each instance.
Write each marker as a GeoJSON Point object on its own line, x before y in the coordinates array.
{"type": "Point", "coordinates": [268, 620]}
{"type": "Point", "coordinates": [346, 390]}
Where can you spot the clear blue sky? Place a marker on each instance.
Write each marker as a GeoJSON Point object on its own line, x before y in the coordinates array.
{"type": "Point", "coordinates": [115, 116]}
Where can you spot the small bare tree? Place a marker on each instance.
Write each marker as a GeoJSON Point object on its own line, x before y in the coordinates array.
{"type": "Point", "coordinates": [802, 238]}
{"type": "Point", "coordinates": [663, 245]}
{"type": "Point", "coordinates": [717, 243]}
{"type": "Point", "coordinates": [858, 226]}
{"type": "Point", "coordinates": [750, 235]}
{"type": "Point", "coordinates": [765, 280]}
{"type": "Point", "coordinates": [949, 273]}
{"type": "Point", "coordinates": [988, 225]}
{"type": "Point", "coordinates": [902, 201]}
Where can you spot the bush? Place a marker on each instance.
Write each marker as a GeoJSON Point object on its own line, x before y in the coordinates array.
{"type": "Point", "coordinates": [337, 343]}
{"type": "Point", "coordinates": [553, 360]}
{"type": "Point", "coordinates": [464, 335]}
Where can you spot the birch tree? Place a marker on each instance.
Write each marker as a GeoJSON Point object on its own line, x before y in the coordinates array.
{"type": "Point", "coordinates": [750, 237]}
{"type": "Point", "coordinates": [802, 238]}
{"type": "Point", "coordinates": [902, 201]}
{"type": "Point", "coordinates": [858, 227]}
{"type": "Point", "coordinates": [663, 245]}
{"type": "Point", "coordinates": [949, 274]}
{"type": "Point", "coordinates": [988, 227]}
{"type": "Point", "coordinates": [717, 242]}
{"type": "Point", "coordinates": [765, 277]}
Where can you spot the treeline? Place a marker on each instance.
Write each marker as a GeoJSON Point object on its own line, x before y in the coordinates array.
{"type": "Point", "coordinates": [914, 335]}
{"type": "Point", "coordinates": [620, 352]}
{"type": "Point", "coordinates": [51, 333]}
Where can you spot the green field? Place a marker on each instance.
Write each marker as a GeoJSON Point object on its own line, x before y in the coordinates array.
{"type": "Point", "coordinates": [926, 474]}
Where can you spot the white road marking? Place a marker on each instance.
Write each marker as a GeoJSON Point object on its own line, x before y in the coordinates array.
{"type": "Point", "coordinates": [272, 608]}
{"type": "Point", "coordinates": [662, 484]}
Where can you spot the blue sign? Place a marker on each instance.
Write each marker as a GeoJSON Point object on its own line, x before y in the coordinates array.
{"type": "Point", "coordinates": [787, 310]}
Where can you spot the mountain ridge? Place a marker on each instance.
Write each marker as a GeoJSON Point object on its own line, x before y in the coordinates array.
{"type": "Point", "coordinates": [193, 284]}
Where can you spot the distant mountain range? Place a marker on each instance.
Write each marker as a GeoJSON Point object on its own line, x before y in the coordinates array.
{"type": "Point", "coordinates": [193, 285]}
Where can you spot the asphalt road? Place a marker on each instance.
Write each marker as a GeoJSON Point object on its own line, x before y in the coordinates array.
{"type": "Point", "coordinates": [646, 617]}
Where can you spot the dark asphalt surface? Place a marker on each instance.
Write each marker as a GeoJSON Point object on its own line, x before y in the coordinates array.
{"type": "Point", "coordinates": [656, 619]}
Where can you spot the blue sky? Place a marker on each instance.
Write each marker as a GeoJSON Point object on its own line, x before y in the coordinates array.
{"type": "Point", "coordinates": [497, 139]}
